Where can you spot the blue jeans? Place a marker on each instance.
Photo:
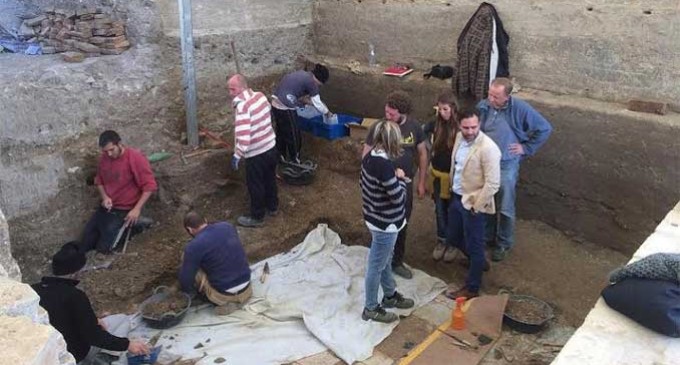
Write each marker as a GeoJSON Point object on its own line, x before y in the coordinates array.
{"type": "Point", "coordinates": [379, 270]}
{"type": "Point", "coordinates": [466, 231]}
{"type": "Point", "coordinates": [501, 226]}
{"type": "Point", "coordinates": [441, 207]}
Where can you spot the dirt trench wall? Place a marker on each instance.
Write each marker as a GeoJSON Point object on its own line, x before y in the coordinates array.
{"type": "Point", "coordinates": [52, 112]}
{"type": "Point", "coordinates": [606, 175]}
{"type": "Point", "coordinates": [613, 50]}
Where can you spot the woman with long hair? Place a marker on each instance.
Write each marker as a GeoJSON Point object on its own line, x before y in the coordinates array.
{"type": "Point", "coordinates": [383, 192]}
{"type": "Point", "coordinates": [443, 135]}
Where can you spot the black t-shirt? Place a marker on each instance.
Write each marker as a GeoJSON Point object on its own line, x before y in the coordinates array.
{"type": "Point", "coordinates": [440, 160]}
{"type": "Point", "coordinates": [411, 136]}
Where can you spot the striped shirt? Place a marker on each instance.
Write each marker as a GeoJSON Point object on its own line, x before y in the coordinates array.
{"type": "Point", "coordinates": [383, 195]}
{"type": "Point", "coordinates": [253, 130]}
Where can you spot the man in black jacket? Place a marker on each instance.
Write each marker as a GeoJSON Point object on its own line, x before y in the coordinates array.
{"type": "Point", "coordinates": [70, 311]}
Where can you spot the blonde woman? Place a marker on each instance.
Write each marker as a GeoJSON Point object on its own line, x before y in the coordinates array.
{"type": "Point", "coordinates": [383, 191]}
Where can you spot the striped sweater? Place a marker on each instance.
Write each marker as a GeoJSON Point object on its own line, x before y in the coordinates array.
{"type": "Point", "coordinates": [383, 195]}
{"type": "Point", "coordinates": [253, 130]}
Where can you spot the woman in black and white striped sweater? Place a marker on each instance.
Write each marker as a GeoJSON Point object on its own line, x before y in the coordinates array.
{"type": "Point", "coordinates": [383, 191]}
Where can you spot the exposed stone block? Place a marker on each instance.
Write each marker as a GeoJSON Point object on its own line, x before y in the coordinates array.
{"type": "Point", "coordinates": [648, 106]}
{"type": "Point", "coordinates": [61, 35]}
{"type": "Point", "coordinates": [86, 47]}
{"type": "Point", "coordinates": [113, 51]}
{"type": "Point", "coordinates": [114, 32]}
{"type": "Point", "coordinates": [118, 39]}
{"type": "Point", "coordinates": [25, 31]}
{"type": "Point", "coordinates": [18, 299]}
{"type": "Point", "coordinates": [26, 342]}
{"type": "Point", "coordinates": [77, 34]}
{"type": "Point", "coordinates": [98, 40]}
{"type": "Point", "coordinates": [122, 44]}
{"type": "Point", "coordinates": [35, 21]}
{"type": "Point", "coordinates": [73, 56]}
{"type": "Point", "coordinates": [86, 10]}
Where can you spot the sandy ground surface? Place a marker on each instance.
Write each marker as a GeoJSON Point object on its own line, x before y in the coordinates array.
{"type": "Point", "coordinates": [545, 263]}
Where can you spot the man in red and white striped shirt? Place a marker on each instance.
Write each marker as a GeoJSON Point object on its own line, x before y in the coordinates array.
{"type": "Point", "coordinates": [255, 141]}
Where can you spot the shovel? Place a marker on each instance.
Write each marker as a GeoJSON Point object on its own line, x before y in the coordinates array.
{"type": "Point", "coordinates": [120, 235]}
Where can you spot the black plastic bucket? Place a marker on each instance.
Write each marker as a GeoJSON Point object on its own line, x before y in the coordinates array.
{"type": "Point", "coordinates": [524, 325]}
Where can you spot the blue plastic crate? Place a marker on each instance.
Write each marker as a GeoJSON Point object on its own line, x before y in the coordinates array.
{"type": "Point", "coordinates": [334, 131]}
{"type": "Point", "coordinates": [317, 127]}
{"type": "Point", "coordinates": [307, 125]}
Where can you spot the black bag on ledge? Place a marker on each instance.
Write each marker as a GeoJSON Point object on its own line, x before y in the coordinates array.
{"type": "Point", "coordinates": [440, 72]}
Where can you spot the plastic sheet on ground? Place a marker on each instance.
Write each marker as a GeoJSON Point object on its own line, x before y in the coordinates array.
{"type": "Point", "coordinates": [609, 337]}
{"type": "Point", "coordinates": [310, 302]}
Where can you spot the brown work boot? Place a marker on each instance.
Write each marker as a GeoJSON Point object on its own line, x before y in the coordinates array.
{"type": "Point", "coordinates": [462, 292]}
{"type": "Point", "coordinates": [450, 254]}
{"type": "Point", "coordinates": [227, 309]}
{"type": "Point", "coordinates": [439, 250]}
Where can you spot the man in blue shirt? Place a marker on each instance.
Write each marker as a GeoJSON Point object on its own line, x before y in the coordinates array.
{"type": "Point", "coordinates": [519, 131]}
{"type": "Point", "coordinates": [215, 264]}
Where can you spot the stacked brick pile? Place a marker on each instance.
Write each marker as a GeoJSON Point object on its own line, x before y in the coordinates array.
{"type": "Point", "coordinates": [86, 31]}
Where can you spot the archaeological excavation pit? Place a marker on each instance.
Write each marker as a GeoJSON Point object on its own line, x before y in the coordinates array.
{"type": "Point", "coordinates": [586, 201]}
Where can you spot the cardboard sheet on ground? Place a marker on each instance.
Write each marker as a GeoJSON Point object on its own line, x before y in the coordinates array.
{"type": "Point", "coordinates": [310, 302]}
{"type": "Point", "coordinates": [484, 315]}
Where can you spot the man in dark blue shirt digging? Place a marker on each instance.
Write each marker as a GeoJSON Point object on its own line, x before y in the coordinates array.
{"type": "Point", "coordinates": [214, 264]}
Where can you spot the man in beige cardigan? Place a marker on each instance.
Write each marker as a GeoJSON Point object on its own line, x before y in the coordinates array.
{"type": "Point", "coordinates": [475, 178]}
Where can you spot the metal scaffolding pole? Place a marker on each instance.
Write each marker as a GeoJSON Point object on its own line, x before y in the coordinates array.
{"type": "Point", "coordinates": [188, 71]}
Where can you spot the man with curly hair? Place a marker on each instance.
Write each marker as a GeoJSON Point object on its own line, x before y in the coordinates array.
{"type": "Point", "coordinates": [413, 157]}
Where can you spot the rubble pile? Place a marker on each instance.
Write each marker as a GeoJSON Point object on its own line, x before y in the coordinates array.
{"type": "Point", "coordinates": [86, 31]}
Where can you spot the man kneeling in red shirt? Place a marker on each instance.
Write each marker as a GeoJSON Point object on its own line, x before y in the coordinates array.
{"type": "Point", "coordinates": [125, 182]}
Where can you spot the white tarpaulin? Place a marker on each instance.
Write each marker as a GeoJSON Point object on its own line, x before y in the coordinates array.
{"type": "Point", "coordinates": [311, 301]}
{"type": "Point", "coordinates": [609, 337]}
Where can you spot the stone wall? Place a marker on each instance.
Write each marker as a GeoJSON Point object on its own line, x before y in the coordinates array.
{"type": "Point", "coordinates": [614, 50]}
{"type": "Point", "coordinates": [267, 35]}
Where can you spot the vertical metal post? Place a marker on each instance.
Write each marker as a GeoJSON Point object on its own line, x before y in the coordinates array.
{"type": "Point", "coordinates": [188, 71]}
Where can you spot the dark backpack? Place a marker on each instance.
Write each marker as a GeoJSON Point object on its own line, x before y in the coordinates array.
{"type": "Point", "coordinates": [440, 72]}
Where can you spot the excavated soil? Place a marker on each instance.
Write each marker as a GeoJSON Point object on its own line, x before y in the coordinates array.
{"type": "Point", "coordinates": [171, 304]}
{"type": "Point", "coordinates": [526, 311]}
{"type": "Point", "coordinates": [545, 263]}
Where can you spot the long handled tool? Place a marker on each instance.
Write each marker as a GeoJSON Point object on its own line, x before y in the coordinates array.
{"type": "Point", "coordinates": [119, 236]}
{"type": "Point", "coordinates": [127, 239]}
